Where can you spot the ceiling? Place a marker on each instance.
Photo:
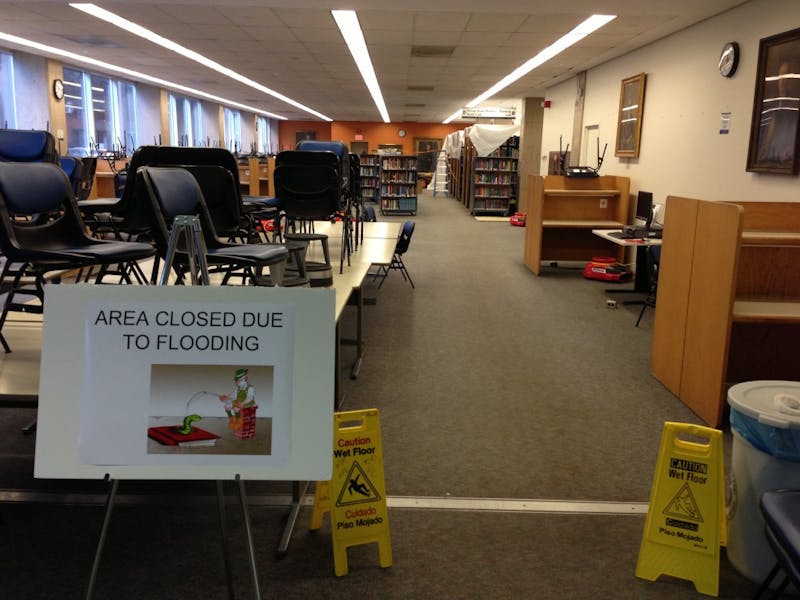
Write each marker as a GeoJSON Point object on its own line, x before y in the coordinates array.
{"type": "Point", "coordinates": [295, 48]}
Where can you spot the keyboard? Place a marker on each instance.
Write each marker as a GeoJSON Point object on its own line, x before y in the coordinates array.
{"type": "Point", "coordinates": [621, 235]}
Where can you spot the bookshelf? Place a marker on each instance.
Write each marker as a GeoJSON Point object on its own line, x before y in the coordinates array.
{"type": "Point", "coordinates": [370, 177]}
{"type": "Point", "coordinates": [398, 184]}
{"type": "Point", "coordinates": [494, 185]}
{"type": "Point", "coordinates": [562, 211]}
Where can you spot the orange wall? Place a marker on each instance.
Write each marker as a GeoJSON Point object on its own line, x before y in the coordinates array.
{"type": "Point", "coordinates": [371, 132]}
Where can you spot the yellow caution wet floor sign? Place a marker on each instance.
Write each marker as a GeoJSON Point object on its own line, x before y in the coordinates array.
{"type": "Point", "coordinates": [355, 496]}
{"type": "Point", "coordinates": [685, 520]}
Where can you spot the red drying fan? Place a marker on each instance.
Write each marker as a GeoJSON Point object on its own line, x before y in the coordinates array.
{"type": "Point", "coordinates": [606, 268]}
{"type": "Point", "coordinates": [518, 219]}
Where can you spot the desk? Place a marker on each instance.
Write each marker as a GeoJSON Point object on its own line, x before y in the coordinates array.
{"type": "Point", "coordinates": [641, 281]}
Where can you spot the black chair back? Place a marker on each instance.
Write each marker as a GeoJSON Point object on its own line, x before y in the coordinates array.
{"type": "Point", "coordinates": [87, 177]}
{"type": "Point", "coordinates": [307, 184]}
{"type": "Point", "coordinates": [341, 152]}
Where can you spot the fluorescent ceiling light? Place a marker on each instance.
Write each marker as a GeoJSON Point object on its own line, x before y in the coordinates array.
{"type": "Point", "coordinates": [78, 58]}
{"type": "Point", "coordinates": [352, 34]}
{"type": "Point", "coordinates": [151, 36]}
{"type": "Point", "coordinates": [590, 25]}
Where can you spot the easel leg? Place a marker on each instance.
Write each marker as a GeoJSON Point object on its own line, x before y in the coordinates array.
{"type": "Point", "coordinates": [249, 533]}
{"type": "Point", "coordinates": [101, 542]}
{"type": "Point", "coordinates": [294, 511]}
{"type": "Point", "coordinates": [224, 533]}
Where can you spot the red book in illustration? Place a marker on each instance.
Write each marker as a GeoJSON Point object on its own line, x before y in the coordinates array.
{"type": "Point", "coordinates": [170, 435]}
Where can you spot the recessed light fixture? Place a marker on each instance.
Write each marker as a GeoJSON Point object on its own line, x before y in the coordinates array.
{"type": "Point", "coordinates": [153, 37]}
{"type": "Point", "coordinates": [136, 75]}
{"type": "Point", "coordinates": [348, 24]}
{"type": "Point", "coordinates": [590, 25]}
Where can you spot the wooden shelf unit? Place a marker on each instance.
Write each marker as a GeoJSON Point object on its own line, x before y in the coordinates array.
{"type": "Point", "coordinates": [256, 175]}
{"type": "Point", "coordinates": [562, 211]}
{"type": "Point", "coordinates": [103, 184]}
{"type": "Point", "coordinates": [728, 306]}
{"type": "Point", "coordinates": [398, 184]}
{"type": "Point", "coordinates": [494, 181]}
{"type": "Point", "coordinates": [370, 177]}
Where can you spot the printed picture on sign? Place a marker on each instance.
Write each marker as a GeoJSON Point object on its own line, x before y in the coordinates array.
{"type": "Point", "coordinates": [204, 409]}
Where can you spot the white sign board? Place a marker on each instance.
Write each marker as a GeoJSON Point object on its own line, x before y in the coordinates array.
{"type": "Point", "coordinates": [489, 112]}
{"type": "Point", "coordinates": [174, 382]}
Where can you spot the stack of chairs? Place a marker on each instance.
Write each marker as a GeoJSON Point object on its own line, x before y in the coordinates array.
{"type": "Point", "coordinates": [312, 183]}
{"type": "Point", "coordinates": [56, 240]}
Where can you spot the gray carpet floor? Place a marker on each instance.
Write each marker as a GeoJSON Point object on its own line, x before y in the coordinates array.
{"type": "Point", "coordinates": [491, 383]}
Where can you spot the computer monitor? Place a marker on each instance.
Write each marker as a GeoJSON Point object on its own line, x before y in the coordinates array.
{"type": "Point", "coordinates": [644, 209]}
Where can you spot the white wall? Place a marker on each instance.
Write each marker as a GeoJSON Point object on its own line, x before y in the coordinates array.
{"type": "Point", "coordinates": [681, 150]}
{"type": "Point", "coordinates": [148, 114]}
{"type": "Point", "coordinates": [32, 91]}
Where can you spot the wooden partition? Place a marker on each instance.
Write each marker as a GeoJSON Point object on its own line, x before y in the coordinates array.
{"type": "Point", "coordinates": [728, 307]}
{"type": "Point", "coordinates": [562, 211]}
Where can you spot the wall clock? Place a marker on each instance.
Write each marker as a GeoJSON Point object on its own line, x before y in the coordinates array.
{"type": "Point", "coordinates": [729, 59]}
{"type": "Point", "coordinates": [58, 89]}
{"type": "Point", "coordinates": [401, 132]}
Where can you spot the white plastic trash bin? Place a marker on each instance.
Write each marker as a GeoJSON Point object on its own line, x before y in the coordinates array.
{"type": "Point", "coordinates": [765, 421]}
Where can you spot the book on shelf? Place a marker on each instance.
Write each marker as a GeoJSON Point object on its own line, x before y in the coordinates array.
{"type": "Point", "coordinates": [170, 435]}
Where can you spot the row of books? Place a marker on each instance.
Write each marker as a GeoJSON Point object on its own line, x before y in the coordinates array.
{"type": "Point", "coordinates": [399, 177]}
{"type": "Point", "coordinates": [405, 163]}
{"type": "Point", "coordinates": [397, 189]}
{"type": "Point", "coordinates": [490, 204]}
{"type": "Point", "coordinates": [491, 193]}
{"type": "Point", "coordinates": [494, 164]}
{"type": "Point", "coordinates": [497, 179]}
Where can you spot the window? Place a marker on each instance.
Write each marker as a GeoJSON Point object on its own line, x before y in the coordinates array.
{"type": "Point", "coordinates": [185, 121]}
{"type": "Point", "coordinates": [264, 137]}
{"type": "Point", "coordinates": [233, 129]}
{"type": "Point", "coordinates": [8, 108]}
{"type": "Point", "coordinates": [101, 113]}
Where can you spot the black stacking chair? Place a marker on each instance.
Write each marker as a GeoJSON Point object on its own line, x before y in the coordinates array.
{"type": "Point", "coordinates": [121, 217]}
{"type": "Point", "coordinates": [250, 212]}
{"type": "Point", "coordinates": [403, 243]}
{"type": "Point", "coordinates": [781, 512]}
{"type": "Point", "coordinates": [27, 145]}
{"type": "Point", "coordinates": [57, 241]}
{"type": "Point", "coordinates": [174, 191]}
{"type": "Point", "coordinates": [653, 263]}
{"type": "Point", "coordinates": [89, 164]}
{"type": "Point", "coordinates": [308, 186]}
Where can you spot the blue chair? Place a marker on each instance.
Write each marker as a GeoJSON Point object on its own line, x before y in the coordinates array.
{"type": "Point", "coordinates": [73, 167]}
{"type": "Point", "coordinates": [27, 145]}
{"type": "Point", "coordinates": [401, 247]}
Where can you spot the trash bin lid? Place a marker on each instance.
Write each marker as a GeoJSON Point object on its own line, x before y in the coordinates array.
{"type": "Point", "coordinates": [775, 403]}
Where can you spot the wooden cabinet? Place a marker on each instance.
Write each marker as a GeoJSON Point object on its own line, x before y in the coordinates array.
{"type": "Point", "coordinates": [728, 306]}
{"type": "Point", "coordinates": [398, 184]}
{"type": "Point", "coordinates": [562, 211]}
{"type": "Point", "coordinates": [370, 171]}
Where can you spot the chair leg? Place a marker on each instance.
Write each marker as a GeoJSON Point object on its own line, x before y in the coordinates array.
{"type": "Point", "coordinates": [641, 313]}
{"type": "Point", "coordinates": [404, 271]}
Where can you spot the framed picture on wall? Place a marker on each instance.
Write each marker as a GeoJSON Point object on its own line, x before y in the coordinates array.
{"type": "Point", "coordinates": [301, 136]}
{"type": "Point", "coordinates": [774, 125]}
{"type": "Point", "coordinates": [427, 151]}
{"type": "Point", "coordinates": [629, 121]}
